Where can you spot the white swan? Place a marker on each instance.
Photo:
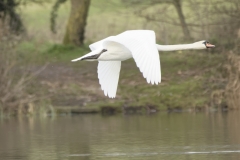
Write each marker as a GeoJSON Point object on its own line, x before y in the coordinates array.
{"type": "Point", "coordinates": [137, 44]}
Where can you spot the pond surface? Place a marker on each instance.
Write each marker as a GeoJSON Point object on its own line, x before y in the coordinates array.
{"type": "Point", "coordinates": [181, 136]}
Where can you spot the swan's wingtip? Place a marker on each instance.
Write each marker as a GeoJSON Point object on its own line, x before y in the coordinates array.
{"type": "Point", "coordinates": [157, 82]}
{"type": "Point", "coordinates": [111, 96]}
{"type": "Point", "coordinates": [154, 82]}
{"type": "Point", "coordinates": [75, 60]}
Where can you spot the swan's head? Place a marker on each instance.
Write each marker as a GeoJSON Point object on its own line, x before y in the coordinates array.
{"type": "Point", "coordinates": [203, 44]}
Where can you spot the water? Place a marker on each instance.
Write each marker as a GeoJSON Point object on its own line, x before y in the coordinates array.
{"type": "Point", "coordinates": [181, 136]}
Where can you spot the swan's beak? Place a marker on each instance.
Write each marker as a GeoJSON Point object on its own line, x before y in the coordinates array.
{"type": "Point", "coordinates": [209, 45]}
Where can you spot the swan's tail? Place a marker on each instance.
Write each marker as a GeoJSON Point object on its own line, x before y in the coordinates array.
{"type": "Point", "coordinates": [90, 56]}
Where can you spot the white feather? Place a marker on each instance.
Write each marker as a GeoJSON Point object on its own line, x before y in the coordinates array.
{"type": "Point", "coordinates": [144, 51]}
{"type": "Point", "coordinates": [108, 75]}
{"type": "Point", "coordinates": [137, 44]}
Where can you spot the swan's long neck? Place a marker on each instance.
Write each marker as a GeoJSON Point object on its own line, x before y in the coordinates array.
{"type": "Point", "coordinates": [177, 47]}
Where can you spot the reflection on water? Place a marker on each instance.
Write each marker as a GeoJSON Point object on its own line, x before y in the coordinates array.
{"type": "Point", "coordinates": [183, 136]}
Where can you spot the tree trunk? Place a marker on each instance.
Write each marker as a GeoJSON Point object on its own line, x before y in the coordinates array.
{"type": "Point", "coordinates": [178, 6]}
{"type": "Point", "coordinates": [77, 22]}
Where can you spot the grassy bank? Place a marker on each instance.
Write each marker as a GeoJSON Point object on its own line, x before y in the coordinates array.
{"type": "Point", "coordinates": [188, 77]}
{"type": "Point", "coordinates": [185, 80]}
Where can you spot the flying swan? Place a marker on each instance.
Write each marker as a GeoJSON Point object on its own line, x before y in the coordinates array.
{"type": "Point", "coordinates": [137, 44]}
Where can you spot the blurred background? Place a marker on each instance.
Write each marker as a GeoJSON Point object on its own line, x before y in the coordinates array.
{"type": "Point", "coordinates": [40, 37]}
{"type": "Point", "coordinates": [51, 108]}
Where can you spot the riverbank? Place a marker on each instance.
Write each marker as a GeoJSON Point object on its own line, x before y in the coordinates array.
{"type": "Point", "coordinates": [42, 78]}
{"type": "Point", "coordinates": [187, 81]}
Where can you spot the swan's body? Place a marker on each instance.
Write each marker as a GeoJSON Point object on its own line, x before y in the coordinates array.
{"type": "Point", "coordinates": [137, 44]}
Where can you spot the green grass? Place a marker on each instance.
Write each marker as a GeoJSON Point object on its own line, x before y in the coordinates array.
{"type": "Point", "coordinates": [50, 52]}
{"type": "Point", "coordinates": [63, 53]}
{"type": "Point", "coordinates": [183, 91]}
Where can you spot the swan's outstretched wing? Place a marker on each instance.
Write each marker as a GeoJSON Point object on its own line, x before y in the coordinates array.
{"type": "Point", "coordinates": [95, 48]}
{"type": "Point", "coordinates": [108, 71]}
{"type": "Point", "coordinates": [108, 75]}
{"type": "Point", "coordinates": [142, 45]}
{"type": "Point", "coordinates": [98, 44]}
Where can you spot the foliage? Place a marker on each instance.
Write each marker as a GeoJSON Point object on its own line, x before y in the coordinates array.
{"type": "Point", "coordinates": [153, 16]}
{"type": "Point", "coordinates": [232, 90]}
{"type": "Point", "coordinates": [217, 20]}
{"type": "Point", "coordinates": [225, 27]}
{"type": "Point", "coordinates": [16, 82]}
{"type": "Point", "coordinates": [8, 11]}
{"type": "Point", "coordinates": [54, 14]}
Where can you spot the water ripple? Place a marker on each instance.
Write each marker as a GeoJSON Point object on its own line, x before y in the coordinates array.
{"type": "Point", "coordinates": [153, 153]}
